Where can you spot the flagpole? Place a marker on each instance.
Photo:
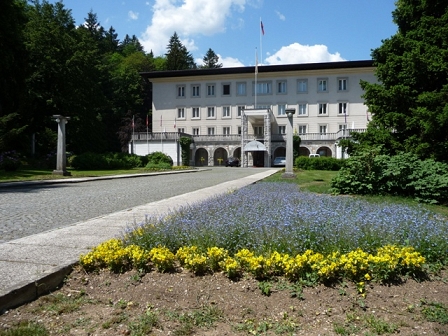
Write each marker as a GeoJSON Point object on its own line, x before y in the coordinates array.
{"type": "Point", "coordinates": [256, 74]}
{"type": "Point", "coordinates": [261, 40]}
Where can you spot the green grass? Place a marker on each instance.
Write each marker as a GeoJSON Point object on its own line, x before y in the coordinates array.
{"type": "Point", "coordinates": [26, 329]}
{"type": "Point", "coordinates": [317, 181]}
{"type": "Point", "coordinates": [47, 174]}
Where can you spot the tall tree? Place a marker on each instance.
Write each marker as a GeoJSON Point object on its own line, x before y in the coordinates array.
{"type": "Point", "coordinates": [177, 56]}
{"type": "Point", "coordinates": [211, 60]}
{"type": "Point", "coordinates": [63, 78]}
{"type": "Point", "coordinates": [410, 103]}
{"type": "Point", "coordinates": [12, 72]}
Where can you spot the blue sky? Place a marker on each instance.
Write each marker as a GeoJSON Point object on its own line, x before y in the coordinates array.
{"type": "Point", "coordinates": [296, 31]}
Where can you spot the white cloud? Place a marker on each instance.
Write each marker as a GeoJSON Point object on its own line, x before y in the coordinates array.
{"type": "Point", "coordinates": [133, 15]}
{"type": "Point", "coordinates": [227, 62]}
{"type": "Point", "coordinates": [230, 62]}
{"type": "Point", "coordinates": [188, 18]}
{"type": "Point", "coordinates": [280, 16]}
{"type": "Point", "coordinates": [297, 53]}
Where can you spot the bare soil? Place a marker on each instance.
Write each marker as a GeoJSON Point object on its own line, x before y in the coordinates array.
{"type": "Point", "coordinates": [114, 304]}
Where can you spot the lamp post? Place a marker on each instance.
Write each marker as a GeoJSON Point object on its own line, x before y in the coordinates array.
{"type": "Point", "coordinates": [61, 158]}
{"type": "Point", "coordinates": [289, 145]}
{"type": "Point", "coordinates": [192, 151]}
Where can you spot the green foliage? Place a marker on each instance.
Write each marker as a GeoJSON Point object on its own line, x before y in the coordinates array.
{"type": "Point", "coordinates": [185, 145]}
{"type": "Point", "coordinates": [93, 161]}
{"type": "Point", "coordinates": [296, 145]}
{"type": "Point", "coordinates": [177, 56]}
{"type": "Point", "coordinates": [26, 329]}
{"type": "Point", "coordinates": [211, 60]}
{"type": "Point", "coordinates": [435, 312]}
{"type": "Point", "coordinates": [409, 104]}
{"type": "Point", "coordinates": [320, 163]}
{"type": "Point", "coordinates": [158, 158]}
{"type": "Point", "coordinates": [369, 172]}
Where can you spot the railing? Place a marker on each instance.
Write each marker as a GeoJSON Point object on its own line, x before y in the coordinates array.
{"type": "Point", "coordinates": [237, 137]}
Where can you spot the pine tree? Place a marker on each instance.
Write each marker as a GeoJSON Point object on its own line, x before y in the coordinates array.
{"type": "Point", "coordinates": [410, 103]}
{"type": "Point", "coordinates": [178, 57]}
{"type": "Point", "coordinates": [211, 60]}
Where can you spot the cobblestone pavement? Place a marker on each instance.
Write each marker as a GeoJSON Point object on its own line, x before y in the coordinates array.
{"type": "Point", "coordinates": [33, 209]}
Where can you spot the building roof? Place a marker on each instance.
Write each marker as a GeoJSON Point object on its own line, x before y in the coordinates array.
{"type": "Point", "coordinates": [261, 69]}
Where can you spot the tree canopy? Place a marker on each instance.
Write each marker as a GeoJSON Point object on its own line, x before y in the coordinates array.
{"type": "Point", "coordinates": [177, 56]}
{"type": "Point", "coordinates": [211, 60]}
{"type": "Point", "coordinates": [409, 104]}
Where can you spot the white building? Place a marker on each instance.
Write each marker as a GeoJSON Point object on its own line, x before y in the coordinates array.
{"type": "Point", "coordinates": [225, 109]}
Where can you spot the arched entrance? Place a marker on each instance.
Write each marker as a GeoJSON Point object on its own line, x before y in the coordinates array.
{"type": "Point", "coordinates": [201, 157]}
{"type": "Point", "coordinates": [219, 156]}
{"type": "Point", "coordinates": [303, 151]}
{"type": "Point", "coordinates": [324, 151]}
{"type": "Point", "coordinates": [237, 153]}
{"type": "Point", "coordinates": [280, 151]}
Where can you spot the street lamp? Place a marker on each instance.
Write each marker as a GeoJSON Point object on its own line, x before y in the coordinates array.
{"type": "Point", "coordinates": [289, 144]}
{"type": "Point", "coordinates": [61, 158]}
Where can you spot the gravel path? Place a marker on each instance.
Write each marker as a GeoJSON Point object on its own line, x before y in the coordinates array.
{"type": "Point", "coordinates": [33, 209]}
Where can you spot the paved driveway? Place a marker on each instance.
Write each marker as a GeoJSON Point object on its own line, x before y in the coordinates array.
{"type": "Point", "coordinates": [34, 209]}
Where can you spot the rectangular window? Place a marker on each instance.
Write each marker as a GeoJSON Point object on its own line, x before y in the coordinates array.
{"type": "Point", "coordinates": [342, 127]}
{"type": "Point", "coordinates": [322, 108]}
{"type": "Point", "coordinates": [342, 84]}
{"type": "Point", "coordinates": [302, 129]}
{"type": "Point", "coordinates": [281, 109]}
{"type": "Point", "coordinates": [210, 131]}
{"type": "Point", "coordinates": [322, 85]}
{"type": "Point", "coordinates": [258, 130]}
{"type": "Point", "coordinates": [302, 110]}
{"type": "Point", "coordinates": [181, 130]}
{"type": "Point", "coordinates": [210, 112]}
{"type": "Point", "coordinates": [226, 111]}
{"type": "Point", "coordinates": [195, 130]}
{"type": "Point", "coordinates": [226, 130]}
{"type": "Point", "coordinates": [195, 91]}
{"type": "Point", "coordinates": [181, 113]}
{"type": "Point", "coordinates": [263, 88]}
{"type": "Point", "coordinates": [195, 113]}
{"type": "Point", "coordinates": [181, 91]}
{"type": "Point", "coordinates": [226, 89]}
{"type": "Point", "coordinates": [282, 130]}
{"type": "Point", "coordinates": [302, 85]}
{"type": "Point", "coordinates": [323, 129]}
{"type": "Point", "coordinates": [342, 109]}
{"type": "Point", "coordinates": [210, 90]}
{"type": "Point", "coordinates": [281, 87]}
{"type": "Point", "coordinates": [240, 110]}
{"type": "Point", "coordinates": [240, 89]}
{"type": "Point", "coordinates": [239, 130]}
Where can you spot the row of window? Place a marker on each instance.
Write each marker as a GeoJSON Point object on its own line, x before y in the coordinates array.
{"type": "Point", "coordinates": [226, 111]}
{"type": "Point", "coordinates": [260, 88]}
{"type": "Point", "coordinates": [258, 130]}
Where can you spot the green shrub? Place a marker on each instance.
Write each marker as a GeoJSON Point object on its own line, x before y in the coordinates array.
{"type": "Point", "coordinates": [94, 161]}
{"type": "Point", "coordinates": [159, 157]}
{"type": "Point", "coordinates": [370, 172]}
{"type": "Point", "coordinates": [320, 163]}
{"type": "Point", "coordinates": [158, 166]}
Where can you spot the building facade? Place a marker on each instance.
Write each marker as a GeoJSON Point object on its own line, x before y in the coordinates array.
{"type": "Point", "coordinates": [242, 111]}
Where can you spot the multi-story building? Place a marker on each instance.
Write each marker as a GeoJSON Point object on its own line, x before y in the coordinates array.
{"type": "Point", "coordinates": [242, 111]}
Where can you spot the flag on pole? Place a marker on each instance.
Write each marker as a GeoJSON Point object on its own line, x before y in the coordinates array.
{"type": "Point", "coordinates": [174, 122]}
{"type": "Point", "coordinates": [262, 27]}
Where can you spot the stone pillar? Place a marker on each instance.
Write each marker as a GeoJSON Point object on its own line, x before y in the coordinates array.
{"type": "Point", "coordinates": [61, 158]}
{"type": "Point", "coordinates": [289, 145]}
